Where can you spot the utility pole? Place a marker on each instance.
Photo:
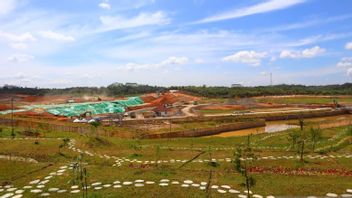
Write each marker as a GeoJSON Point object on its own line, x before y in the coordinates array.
{"type": "Point", "coordinates": [271, 79]}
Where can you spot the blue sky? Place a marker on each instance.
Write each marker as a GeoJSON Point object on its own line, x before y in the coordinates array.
{"type": "Point", "coordinates": [186, 42]}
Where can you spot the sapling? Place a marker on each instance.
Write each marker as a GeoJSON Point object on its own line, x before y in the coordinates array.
{"type": "Point", "coordinates": [315, 136]}
{"type": "Point", "coordinates": [64, 143]}
{"type": "Point", "coordinates": [80, 175]}
{"type": "Point", "coordinates": [244, 158]}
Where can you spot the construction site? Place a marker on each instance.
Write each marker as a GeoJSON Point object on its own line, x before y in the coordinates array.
{"type": "Point", "coordinates": [161, 115]}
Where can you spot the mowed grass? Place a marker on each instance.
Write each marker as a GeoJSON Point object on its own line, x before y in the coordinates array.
{"type": "Point", "coordinates": [304, 100]}
{"type": "Point", "coordinates": [101, 170]}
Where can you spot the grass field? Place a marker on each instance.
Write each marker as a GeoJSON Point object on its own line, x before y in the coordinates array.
{"type": "Point", "coordinates": [304, 100]}
{"type": "Point", "coordinates": [279, 177]}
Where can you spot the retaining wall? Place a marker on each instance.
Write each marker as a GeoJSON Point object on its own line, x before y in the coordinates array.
{"type": "Point", "coordinates": [208, 131]}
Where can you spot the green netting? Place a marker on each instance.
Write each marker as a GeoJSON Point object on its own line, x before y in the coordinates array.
{"type": "Point", "coordinates": [95, 108]}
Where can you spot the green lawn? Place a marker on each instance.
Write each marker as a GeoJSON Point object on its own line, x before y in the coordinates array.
{"type": "Point", "coordinates": [101, 170]}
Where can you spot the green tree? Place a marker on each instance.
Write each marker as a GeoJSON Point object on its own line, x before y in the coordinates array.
{"type": "Point", "coordinates": [315, 136]}
{"type": "Point", "coordinates": [292, 138]}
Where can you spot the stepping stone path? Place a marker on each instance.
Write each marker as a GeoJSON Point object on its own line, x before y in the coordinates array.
{"type": "Point", "coordinates": [11, 191]}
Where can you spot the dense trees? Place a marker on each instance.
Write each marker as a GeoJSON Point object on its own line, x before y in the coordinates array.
{"type": "Point", "coordinates": [117, 89]}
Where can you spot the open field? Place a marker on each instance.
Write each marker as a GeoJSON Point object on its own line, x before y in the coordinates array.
{"type": "Point", "coordinates": [120, 163]}
{"type": "Point", "coordinates": [305, 99]}
{"type": "Point", "coordinates": [112, 159]}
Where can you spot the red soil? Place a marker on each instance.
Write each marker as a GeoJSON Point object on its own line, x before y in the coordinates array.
{"type": "Point", "coordinates": [223, 107]}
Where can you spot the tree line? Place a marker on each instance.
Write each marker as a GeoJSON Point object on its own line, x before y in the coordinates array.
{"type": "Point", "coordinates": [205, 91]}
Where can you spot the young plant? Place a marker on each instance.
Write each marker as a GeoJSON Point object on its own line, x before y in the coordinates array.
{"type": "Point", "coordinates": [64, 143]}
{"type": "Point", "coordinates": [315, 136]}
{"type": "Point", "coordinates": [95, 126]}
{"type": "Point", "coordinates": [80, 175]}
{"type": "Point", "coordinates": [301, 142]}
{"type": "Point", "coordinates": [244, 158]}
{"type": "Point", "coordinates": [292, 138]}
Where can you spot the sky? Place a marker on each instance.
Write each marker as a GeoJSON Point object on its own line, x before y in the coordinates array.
{"type": "Point", "coordinates": [67, 43]}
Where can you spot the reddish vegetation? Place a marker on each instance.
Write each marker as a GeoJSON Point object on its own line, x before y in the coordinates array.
{"type": "Point", "coordinates": [6, 107]}
{"type": "Point", "coordinates": [223, 107]}
{"type": "Point", "coordinates": [300, 171]}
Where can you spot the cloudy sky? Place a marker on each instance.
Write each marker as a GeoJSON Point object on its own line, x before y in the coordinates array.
{"type": "Point", "coordinates": [167, 42]}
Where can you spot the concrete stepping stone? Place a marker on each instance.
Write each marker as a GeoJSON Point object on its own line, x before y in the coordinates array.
{"type": "Point", "coordinates": [75, 191]}
{"type": "Point", "coordinates": [18, 196]}
{"type": "Point", "coordinates": [203, 183]}
{"type": "Point", "coordinates": [45, 194]}
{"type": "Point", "coordinates": [346, 195]}
{"type": "Point", "coordinates": [242, 196]}
{"type": "Point", "coordinates": [127, 183]}
{"type": "Point", "coordinates": [175, 182]}
{"type": "Point", "coordinates": [150, 182]}
{"type": "Point", "coordinates": [246, 191]}
{"type": "Point", "coordinates": [163, 184]}
{"type": "Point", "coordinates": [195, 185]}
{"type": "Point", "coordinates": [27, 187]}
{"type": "Point", "coordinates": [257, 196]}
{"type": "Point", "coordinates": [48, 177]}
{"type": "Point", "coordinates": [185, 185]}
{"type": "Point", "coordinates": [234, 191]}
{"type": "Point", "coordinates": [7, 195]}
{"type": "Point", "coordinates": [116, 182]}
{"type": "Point", "coordinates": [139, 185]}
{"type": "Point", "coordinates": [74, 187]}
{"type": "Point", "coordinates": [349, 190]}
{"type": "Point", "coordinates": [96, 184]}
{"type": "Point", "coordinates": [270, 196]}
{"type": "Point", "coordinates": [221, 191]}
{"type": "Point", "coordinates": [98, 188]}
{"type": "Point", "coordinates": [107, 185]}
{"type": "Point", "coordinates": [62, 191]}
{"type": "Point", "coordinates": [35, 181]}
{"type": "Point", "coordinates": [188, 182]}
{"type": "Point", "coordinates": [202, 187]}
{"type": "Point", "coordinates": [164, 180]}
{"type": "Point", "coordinates": [36, 191]}
{"type": "Point", "coordinates": [40, 186]}
{"type": "Point", "coordinates": [139, 181]}
{"type": "Point", "coordinates": [117, 186]}
{"type": "Point", "coordinates": [19, 191]}
{"type": "Point", "coordinates": [44, 182]}
{"type": "Point", "coordinates": [214, 187]}
{"type": "Point", "coordinates": [53, 189]}
{"type": "Point", "coordinates": [331, 195]}
{"type": "Point", "coordinates": [11, 189]}
{"type": "Point", "coordinates": [225, 186]}
{"type": "Point", "coordinates": [1, 190]}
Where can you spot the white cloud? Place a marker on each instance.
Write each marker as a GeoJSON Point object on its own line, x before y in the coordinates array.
{"type": "Point", "coordinates": [349, 72]}
{"type": "Point", "coordinates": [105, 5]}
{"type": "Point", "coordinates": [20, 58]}
{"type": "Point", "coordinates": [345, 62]}
{"type": "Point", "coordinates": [247, 57]}
{"type": "Point", "coordinates": [56, 36]}
{"type": "Point", "coordinates": [349, 45]}
{"type": "Point", "coordinates": [7, 6]}
{"type": "Point", "coordinates": [268, 6]}
{"type": "Point", "coordinates": [168, 62]}
{"type": "Point", "coordinates": [307, 53]}
{"type": "Point", "coordinates": [143, 19]}
{"type": "Point", "coordinates": [20, 46]}
{"type": "Point", "coordinates": [199, 61]}
{"type": "Point", "coordinates": [25, 37]}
